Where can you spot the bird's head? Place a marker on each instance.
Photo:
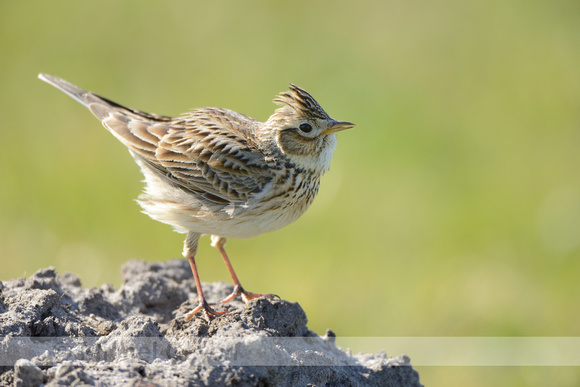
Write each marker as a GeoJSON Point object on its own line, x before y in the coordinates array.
{"type": "Point", "coordinates": [303, 131]}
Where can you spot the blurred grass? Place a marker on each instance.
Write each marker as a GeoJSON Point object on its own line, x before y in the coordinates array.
{"type": "Point", "coordinates": [453, 208]}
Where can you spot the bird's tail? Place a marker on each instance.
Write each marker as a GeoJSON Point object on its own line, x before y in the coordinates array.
{"type": "Point", "coordinates": [77, 93]}
{"type": "Point", "coordinates": [98, 105]}
{"type": "Point", "coordinates": [132, 127]}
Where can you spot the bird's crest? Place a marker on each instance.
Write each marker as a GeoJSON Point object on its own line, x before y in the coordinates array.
{"type": "Point", "coordinates": [301, 102]}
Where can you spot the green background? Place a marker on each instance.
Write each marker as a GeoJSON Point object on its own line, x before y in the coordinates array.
{"type": "Point", "coordinates": [452, 209]}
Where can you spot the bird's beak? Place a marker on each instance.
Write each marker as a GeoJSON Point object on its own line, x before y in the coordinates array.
{"type": "Point", "coordinates": [337, 126]}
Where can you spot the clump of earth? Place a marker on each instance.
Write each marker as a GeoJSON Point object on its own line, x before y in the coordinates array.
{"type": "Point", "coordinates": [55, 332]}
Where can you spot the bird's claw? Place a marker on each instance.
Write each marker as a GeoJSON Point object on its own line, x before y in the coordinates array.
{"type": "Point", "coordinates": [246, 296]}
{"type": "Point", "coordinates": [208, 312]}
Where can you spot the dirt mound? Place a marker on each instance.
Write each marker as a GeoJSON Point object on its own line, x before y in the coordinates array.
{"type": "Point", "coordinates": [55, 332]}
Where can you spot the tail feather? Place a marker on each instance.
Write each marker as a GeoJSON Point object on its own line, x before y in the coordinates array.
{"type": "Point", "coordinates": [132, 127]}
{"type": "Point", "coordinates": [77, 93]}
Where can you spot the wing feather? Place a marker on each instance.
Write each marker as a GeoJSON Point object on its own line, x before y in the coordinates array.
{"type": "Point", "coordinates": [210, 151]}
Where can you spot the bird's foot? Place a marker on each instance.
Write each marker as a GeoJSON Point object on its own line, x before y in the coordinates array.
{"type": "Point", "coordinates": [246, 296]}
{"type": "Point", "coordinates": [208, 312]}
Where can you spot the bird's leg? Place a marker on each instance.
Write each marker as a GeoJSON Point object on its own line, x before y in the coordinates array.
{"type": "Point", "coordinates": [219, 242]}
{"type": "Point", "coordinates": [189, 252]}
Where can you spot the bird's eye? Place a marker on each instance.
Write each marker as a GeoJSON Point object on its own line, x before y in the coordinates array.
{"type": "Point", "coordinates": [306, 128]}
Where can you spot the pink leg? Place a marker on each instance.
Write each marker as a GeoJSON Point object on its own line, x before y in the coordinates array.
{"type": "Point", "coordinates": [189, 251]}
{"type": "Point", "coordinates": [239, 291]}
{"type": "Point", "coordinates": [203, 305]}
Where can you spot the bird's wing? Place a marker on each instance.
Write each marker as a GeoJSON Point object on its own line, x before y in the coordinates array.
{"type": "Point", "coordinates": [210, 152]}
{"type": "Point", "coordinates": [213, 152]}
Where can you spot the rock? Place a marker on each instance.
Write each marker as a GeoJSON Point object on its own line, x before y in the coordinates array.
{"type": "Point", "coordinates": [26, 374]}
{"type": "Point", "coordinates": [54, 332]}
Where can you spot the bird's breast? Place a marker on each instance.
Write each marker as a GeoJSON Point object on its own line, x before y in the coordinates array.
{"type": "Point", "coordinates": [292, 195]}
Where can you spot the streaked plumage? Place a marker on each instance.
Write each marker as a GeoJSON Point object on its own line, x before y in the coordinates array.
{"type": "Point", "coordinates": [218, 172]}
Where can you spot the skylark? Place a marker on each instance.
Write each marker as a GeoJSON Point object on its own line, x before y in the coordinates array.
{"type": "Point", "coordinates": [217, 172]}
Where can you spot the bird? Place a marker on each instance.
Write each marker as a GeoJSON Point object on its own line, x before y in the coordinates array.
{"type": "Point", "coordinates": [213, 171]}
